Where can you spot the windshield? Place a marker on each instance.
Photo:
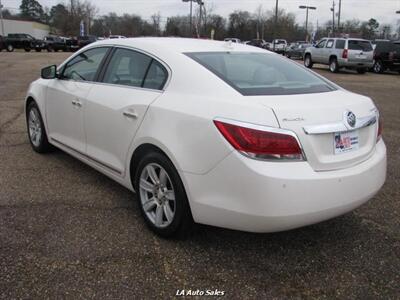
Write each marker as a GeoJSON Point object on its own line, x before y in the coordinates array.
{"type": "Point", "coordinates": [254, 74]}
{"type": "Point", "coordinates": [360, 45]}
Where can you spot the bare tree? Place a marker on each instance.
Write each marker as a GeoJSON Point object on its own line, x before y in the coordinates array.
{"type": "Point", "coordinates": [156, 23]}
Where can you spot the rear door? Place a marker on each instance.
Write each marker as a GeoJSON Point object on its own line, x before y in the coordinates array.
{"type": "Point", "coordinates": [116, 106]}
{"type": "Point", "coordinates": [360, 51]}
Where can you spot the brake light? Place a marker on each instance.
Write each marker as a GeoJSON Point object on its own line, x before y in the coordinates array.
{"type": "Point", "coordinates": [263, 142]}
{"type": "Point", "coordinates": [380, 129]}
{"type": "Point", "coordinates": [345, 53]}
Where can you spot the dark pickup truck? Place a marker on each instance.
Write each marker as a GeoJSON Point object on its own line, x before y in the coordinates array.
{"type": "Point", "coordinates": [86, 40]}
{"type": "Point", "coordinates": [386, 56]}
{"type": "Point", "coordinates": [25, 41]}
{"type": "Point", "coordinates": [4, 45]}
{"type": "Point", "coordinates": [55, 43]}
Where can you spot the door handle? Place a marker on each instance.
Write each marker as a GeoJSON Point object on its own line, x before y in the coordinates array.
{"type": "Point", "coordinates": [77, 103]}
{"type": "Point", "coordinates": [130, 114]}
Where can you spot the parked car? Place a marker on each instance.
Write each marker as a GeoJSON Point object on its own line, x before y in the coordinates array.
{"type": "Point", "coordinates": [25, 41]}
{"type": "Point", "coordinates": [72, 44]}
{"type": "Point", "coordinates": [386, 56]}
{"type": "Point", "coordinates": [86, 40]}
{"type": "Point", "coordinates": [55, 43]}
{"type": "Point", "coordinates": [116, 37]}
{"type": "Point", "coordinates": [296, 50]}
{"type": "Point", "coordinates": [276, 131]}
{"type": "Point", "coordinates": [279, 46]}
{"type": "Point", "coordinates": [4, 45]}
{"type": "Point", "coordinates": [355, 54]}
{"type": "Point", "coordinates": [233, 40]}
{"type": "Point", "coordinates": [257, 43]}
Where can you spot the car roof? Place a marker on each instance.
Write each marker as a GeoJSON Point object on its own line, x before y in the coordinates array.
{"type": "Point", "coordinates": [180, 45]}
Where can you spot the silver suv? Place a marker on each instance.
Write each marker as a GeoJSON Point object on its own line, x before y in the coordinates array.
{"type": "Point", "coordinates": [356, 54]}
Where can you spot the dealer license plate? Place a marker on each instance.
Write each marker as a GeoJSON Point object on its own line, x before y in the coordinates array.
{"type": "Point", "coordinates": [345, 141]}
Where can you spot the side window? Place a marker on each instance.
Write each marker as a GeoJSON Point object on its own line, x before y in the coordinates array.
{"type": "Point", "coordinates": [340, 44]}
{"type": "Point", "coordinates": [329, 44]}
{"type": "Point", "coordinates": [321, 44]}
{"type": "Point", "coordinates": [84, 67]}
{"type": "Point", "coordinates": [156, 76]}
{"type": "Point", "coordinates": [127, 67]}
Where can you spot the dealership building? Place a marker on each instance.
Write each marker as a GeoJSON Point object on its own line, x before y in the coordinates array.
{"type": "Point", "coordinates": [36, 29]}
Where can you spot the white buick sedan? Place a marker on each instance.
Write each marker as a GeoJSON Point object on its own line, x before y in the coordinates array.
{"type": "Point", "coordinates": [211, 132]}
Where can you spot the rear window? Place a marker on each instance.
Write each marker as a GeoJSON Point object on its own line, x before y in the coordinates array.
{"type": "Point", "coordinates": [256, 74]}
{"type": "Point", "coordinates": [360, 45]}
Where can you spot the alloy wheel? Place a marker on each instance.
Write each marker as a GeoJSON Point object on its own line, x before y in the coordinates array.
{"type": "Point", "coordinates": [378, 67]}
{"type": "Point", "coordinates": [157, 195]}
{"type": "Point", "coordinates": [35, 127]}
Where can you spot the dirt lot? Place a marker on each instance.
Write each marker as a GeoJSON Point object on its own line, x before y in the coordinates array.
{"type": "Point", "coordinates": [66, 231]}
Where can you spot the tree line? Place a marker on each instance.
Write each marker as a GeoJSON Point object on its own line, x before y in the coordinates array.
{"type": "Point", "coordinates": [65, 18]}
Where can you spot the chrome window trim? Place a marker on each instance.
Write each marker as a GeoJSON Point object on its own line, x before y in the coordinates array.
{"type": "Point", "coordinates": [268, 129]}
{"type": "Point", "coordinates": [341, 126]}
{"type": "Point", "coordinates": [167, 67]}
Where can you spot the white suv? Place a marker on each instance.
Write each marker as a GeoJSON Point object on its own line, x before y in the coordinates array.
{"type": "Point", "coordinates": [356, 54]}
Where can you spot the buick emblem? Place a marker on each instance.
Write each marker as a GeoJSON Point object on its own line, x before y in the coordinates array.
{"type": "Point", "coordinates": [351, 118]}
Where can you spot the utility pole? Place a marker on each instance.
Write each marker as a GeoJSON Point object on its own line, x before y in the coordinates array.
{"type": "Point", "coordinates": [1, 19]}
{"type": "Point", "coordinates": [339, 13]}
{"type": "Point", "coordinates": [333, 17]}
{"type": "Point", "coordinates": [275, 25]}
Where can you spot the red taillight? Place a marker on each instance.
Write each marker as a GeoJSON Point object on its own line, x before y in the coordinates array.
{"type": "Point", "coordinates": [380, 129]}
{"type": "Point", "coordinates": [262, 144]}
{"type": "Point", "coordinates": [345, 53]}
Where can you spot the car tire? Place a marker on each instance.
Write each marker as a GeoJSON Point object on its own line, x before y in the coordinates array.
{"type": "Point", "coordinates": [27, 49]}
{"type": "Point", "coordinates": [361, 71]}
{"type": "Point", "coordinates": [10, 48]}
{"type": "Point", "coordinates": [161, 196]}
{"type": "Point", "coordinates": [36, 131]}
{"type": "Point", "coordinates": [308, 63]}
{"type": "Point", "coordinates": [378, 67]}
{"type": "Point", "coordinates": [333, 65]}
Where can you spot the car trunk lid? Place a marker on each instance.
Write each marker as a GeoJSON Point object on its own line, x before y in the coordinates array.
{"type": "Point", "coordinates": [323, 115]}
{"type": "Point", "coordinates": [360, 51]}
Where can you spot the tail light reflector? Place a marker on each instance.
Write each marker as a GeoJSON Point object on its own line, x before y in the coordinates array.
{"type": "Point", "coordinates": [345, 54]}
{"type": "Point", "coordinates": [261, 142]}
{"type": "Point", "coordinates": [380, 129]}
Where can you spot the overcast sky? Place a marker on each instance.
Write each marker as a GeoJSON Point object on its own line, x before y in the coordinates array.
{"type": "Point", "coordinates": [382, 10]}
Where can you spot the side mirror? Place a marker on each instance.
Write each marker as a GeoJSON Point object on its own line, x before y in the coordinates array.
{"type": "Point", "coordinates": [49, 72]}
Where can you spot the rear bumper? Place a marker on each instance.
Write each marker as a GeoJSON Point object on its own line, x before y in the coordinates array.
{"type": "Point", "coordinates": [258, 196]}
{"type": "Point", "coordinates": [356, 64]}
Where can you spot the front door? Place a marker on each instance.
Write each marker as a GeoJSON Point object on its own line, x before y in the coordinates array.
{"type": "Point", "coordinates": [318, 51]}
{"type": "Point", "coordinates": [66, 99]}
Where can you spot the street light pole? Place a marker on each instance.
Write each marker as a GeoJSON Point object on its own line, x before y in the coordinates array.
{"type": "Point", "coordinates": [201, 3]}
{"type": "Point", "coordinates": [307, 8]}
{"type": "Point", "coordinates": [275, 25]}
{"type": "Point", "coordinates": [339, 13]}
{"type": "Point", "coordinates": [1, 18]}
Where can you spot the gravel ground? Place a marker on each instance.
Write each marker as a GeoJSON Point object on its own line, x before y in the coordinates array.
{"type": "Point", "coordinates": [67, 231]}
